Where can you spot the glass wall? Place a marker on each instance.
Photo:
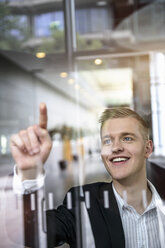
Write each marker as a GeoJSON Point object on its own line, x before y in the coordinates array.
{"type": "Point", "coordinates": [32, 27]}
{"type": "Point", "coordinates": [79, 57]}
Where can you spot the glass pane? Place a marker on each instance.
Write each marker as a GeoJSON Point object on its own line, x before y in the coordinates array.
{"type": "Point", "coordinates": [90, 29]}
{"type": "Point", "coordinates": [118, 60]}
{"type": "Point", "coordinates": [33, 29]}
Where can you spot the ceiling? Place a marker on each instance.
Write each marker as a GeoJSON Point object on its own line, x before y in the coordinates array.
{"type": "Point", "coordinates": [114, 85]}
{"type": "Point", "coordinates": [121, 8]}
{"type": "Point", "coordinates": [132, 34]}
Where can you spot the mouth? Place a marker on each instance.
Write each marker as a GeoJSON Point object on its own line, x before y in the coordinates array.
{"type": "Point", "coordinates": [119, 160]}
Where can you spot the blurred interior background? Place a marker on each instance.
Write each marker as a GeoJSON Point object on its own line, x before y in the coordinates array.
{"type": "Point", "coordinates": [78, 56]}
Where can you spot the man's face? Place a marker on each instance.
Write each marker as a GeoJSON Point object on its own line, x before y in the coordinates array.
{"type": "Point", "coordinates": [124, 150]}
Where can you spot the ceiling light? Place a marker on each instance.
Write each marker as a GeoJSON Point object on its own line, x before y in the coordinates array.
{"type": "Point", "coordinates": [40, 55]}
{"type": "Point", "coordinates": [71, 81]}
{"type": "Point", "coordinates": [77, 86]}
{"type": "Point", "coordinates": [98, 61]}
{"type": "Point", "coordinates": [63, 74]}
{"type": "Point", "coordinates": [101, 3]}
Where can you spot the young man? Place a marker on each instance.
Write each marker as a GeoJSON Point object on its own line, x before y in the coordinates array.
{"type": "Point", "coordinates": [122, 213]}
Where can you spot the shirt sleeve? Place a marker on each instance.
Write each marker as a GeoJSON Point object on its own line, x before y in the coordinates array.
{"type": "Point", "coordinates": [27, 186]}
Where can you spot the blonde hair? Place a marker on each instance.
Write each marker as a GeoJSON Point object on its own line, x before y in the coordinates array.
{"type": "Point", "coordinates": [123, 112]}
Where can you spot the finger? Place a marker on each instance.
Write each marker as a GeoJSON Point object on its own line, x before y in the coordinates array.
{"type": "Point", "coordinates": [43, 118]}
{"type": "Point", "coordinates": [41, 133]}
{"type": "Point", "coordinates": [16, 141]}
{"type": "Point", "coordinates": [34, 142]}
{"type": "Point", "coordinates": [45, 141]}
{"type": "Point", "coordinates": [23, 134]}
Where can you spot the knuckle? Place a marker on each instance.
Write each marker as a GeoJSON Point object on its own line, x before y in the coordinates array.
{"type": "Point", "coordinates": [15, 140]}
{"type": "Point", "coordinates": [31, 129]}
{"type": "Point", "coordinates": [22, 132]}
{"type": "Point", "coordinates": [44, 132]}
{"type": "Point", "coordinates": [13, 137]}
{"type": "Point", "coordinates": [21, 146]}
{"type": "Point", "coordinates": [35, 126]}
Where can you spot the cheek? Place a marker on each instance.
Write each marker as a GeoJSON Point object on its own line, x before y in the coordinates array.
{"type": "Point", "coordinates": [105, 151]}
{"type": "Point", "coordinates": [138, 152]}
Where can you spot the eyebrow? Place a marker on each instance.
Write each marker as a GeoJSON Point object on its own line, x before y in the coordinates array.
{"type": "Point", "coordinates": [122, 134]}
{"type": "Point", "coordinates": [105, 136]}
{"type": "Point", "coordinates": [131, 134]}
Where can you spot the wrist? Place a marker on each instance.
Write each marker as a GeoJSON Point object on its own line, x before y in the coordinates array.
{"type": "Point", "coordinates": [29, 174]}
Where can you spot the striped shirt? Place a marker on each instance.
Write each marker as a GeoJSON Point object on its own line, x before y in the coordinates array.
{"type": "Point", "coordinates": [141, 231]}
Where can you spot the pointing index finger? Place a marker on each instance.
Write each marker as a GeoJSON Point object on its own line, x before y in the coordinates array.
{"type": "Point", "coordinates": [43, 118]}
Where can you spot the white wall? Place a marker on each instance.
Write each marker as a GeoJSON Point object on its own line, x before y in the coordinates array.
{"type": "Point", "coordinates": [20, 95]}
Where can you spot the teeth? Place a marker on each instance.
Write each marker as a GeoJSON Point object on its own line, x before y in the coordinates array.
{"type": "Point", "coordinates": [119, 159]}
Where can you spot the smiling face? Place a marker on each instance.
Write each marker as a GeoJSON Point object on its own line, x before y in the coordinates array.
{"type": "Point", "coordinates": [124, 149]}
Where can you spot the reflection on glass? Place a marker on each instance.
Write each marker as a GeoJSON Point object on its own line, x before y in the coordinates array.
{"type": "Point", "coordinates": [45, 23]}
{"type": "Point", "coordinates": [91, 26]}
{"type": "Point", "coordinates": [13, 29]}
{"type": "Point", "coordinates": [3, 144]}
{"type": "Point", "coordinates": [121, 77]}
{"type": "Point", "coordinates": [31, 32]}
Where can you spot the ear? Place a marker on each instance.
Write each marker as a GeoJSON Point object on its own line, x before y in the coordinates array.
{"type": "Point", "coordinates": [148, 148]}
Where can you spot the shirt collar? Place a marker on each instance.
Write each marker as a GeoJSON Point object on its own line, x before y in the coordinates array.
{"type": "Point", "coordinates": [119, 200]}
{"type": "Point", "coordinates": [156, 200]}
{"type": "Point", "coordinates": [122, 204]}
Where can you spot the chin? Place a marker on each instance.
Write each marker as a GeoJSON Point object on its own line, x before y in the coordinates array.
{"type": "Point", "coordinates": [118, 175]}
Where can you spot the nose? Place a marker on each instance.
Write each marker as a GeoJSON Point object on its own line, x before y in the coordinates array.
{"type": "Point", "coordinates": [117, 147]}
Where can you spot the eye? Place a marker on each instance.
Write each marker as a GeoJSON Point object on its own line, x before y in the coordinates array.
{"type": "Point", "coordinates": [106, 141]}
{"type": "Point", "coordinates": [127, 139]}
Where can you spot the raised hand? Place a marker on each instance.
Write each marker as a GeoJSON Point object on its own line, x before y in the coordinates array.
{"type": "Point", "coordinates": [31, 147]}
